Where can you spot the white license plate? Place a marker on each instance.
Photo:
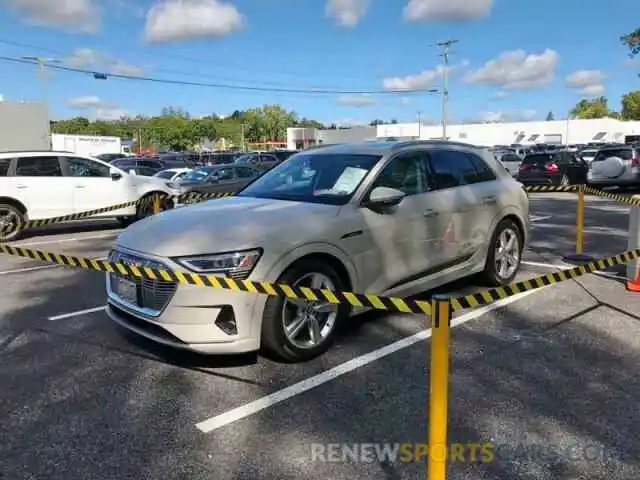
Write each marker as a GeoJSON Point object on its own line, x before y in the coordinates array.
{"type": "Point", "coordinates": [127, 290]}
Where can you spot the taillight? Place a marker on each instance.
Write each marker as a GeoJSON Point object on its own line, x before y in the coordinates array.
{"type": "Point", "coordinates": [551, 167]}
{"type": "Point", "coordinates": [522, 167]}
{"type": "Point", "coordinates": [635, 159]}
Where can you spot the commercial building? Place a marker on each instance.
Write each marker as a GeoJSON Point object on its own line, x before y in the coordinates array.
{"type": "Point", "coordinates": [25, 126]}
{"type": "Point", "coordinates": [486, 134]}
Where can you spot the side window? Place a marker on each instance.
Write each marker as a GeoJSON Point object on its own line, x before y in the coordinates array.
{"type": "Point", "coordinates": [5, 164]}
{"type": "Point", "coordinates": [406, 173]}
{"type": "Point", "coordinates": [446, 173]}
{"type": "Point", "coordinates": [225, 174]}
{"type": "Point", "coordinates": [38, 167]}
{"type": "Point", "coordinates": [484, 172]}
{"type": "Point", "coordinates": [81, 167]}
{"type": "Point", "coordinates": [244, 172]}
{"type": "Point", "coordinates": [561, 158]}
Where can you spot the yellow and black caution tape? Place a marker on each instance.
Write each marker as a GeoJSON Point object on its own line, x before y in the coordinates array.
{"type": "Point", "coordinates": [495, 294]}
{"type": "Point", "coordinates": [551, 188]}
{"type": "Point", "coordinates": [367, 300]}
{"type": "Point", "coordinates": [612, 196]}
{"type": "Point", "coordinates": [192, 197]}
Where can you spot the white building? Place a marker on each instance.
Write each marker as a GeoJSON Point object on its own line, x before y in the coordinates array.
{"type": "Point", "coordinates": [487, 134]}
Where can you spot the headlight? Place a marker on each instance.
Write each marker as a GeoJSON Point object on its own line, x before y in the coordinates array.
{"type": "Point", "coordinates": [238, 265]}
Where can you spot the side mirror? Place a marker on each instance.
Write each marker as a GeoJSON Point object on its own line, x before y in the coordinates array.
{"type": "Point", "coordinates": [115, 175]}
{"type": "Point", "coordinates": [384, 197]}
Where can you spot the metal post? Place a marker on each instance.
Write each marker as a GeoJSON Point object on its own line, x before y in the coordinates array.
{"type": "Point", "coordinates": [445, 87]}
{"type": "Point", "coordinates": [156, 204]}
{"type": "Point", "coordinates": [633, 267]}
{"type": "Point", "coordinates": [439, 387]}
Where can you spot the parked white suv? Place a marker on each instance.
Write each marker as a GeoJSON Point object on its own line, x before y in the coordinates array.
{"type": "Point", "coordinates": [36, 185]}
{"type": "Point", "coordinates": [393, 218]}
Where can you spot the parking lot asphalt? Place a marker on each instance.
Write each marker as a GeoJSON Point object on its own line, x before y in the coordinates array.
{"type": "Point", "coordinates": [548, 378]}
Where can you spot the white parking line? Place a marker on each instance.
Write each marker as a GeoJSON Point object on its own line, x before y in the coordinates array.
{"type": "Point", "coordinates": [539, 218]}
{"type": "Point", "coordinates": [33, 269]}
{"type": "Point", "coordinates": [79, 313]}
{"type": "Point", "coordinates": [66, 240]}
{"type": "Point", "coordinates": [272, 399]}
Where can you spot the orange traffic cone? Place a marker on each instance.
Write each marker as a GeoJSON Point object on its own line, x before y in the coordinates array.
{"type": "Point", "coordinates": [634, 285]}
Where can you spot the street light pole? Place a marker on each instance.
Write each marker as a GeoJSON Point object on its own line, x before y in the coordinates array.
{"type": "Point", "coordinates": [446, 47]}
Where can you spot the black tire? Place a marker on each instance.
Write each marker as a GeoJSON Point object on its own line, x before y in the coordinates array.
{"type": "Point", "coordinates": [126, 221]}
{"type": "Point", "coordinates": [274, 341]}
{"type": "Point", "coordinates": [490, 274]}
{"type": "Point", "coordinates": [17, 219]}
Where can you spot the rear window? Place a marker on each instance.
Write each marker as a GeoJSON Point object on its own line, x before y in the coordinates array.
{"type": "Point", "coordinates": [537, 159]}
{"type": "Point", "coordinates": [623, 153]}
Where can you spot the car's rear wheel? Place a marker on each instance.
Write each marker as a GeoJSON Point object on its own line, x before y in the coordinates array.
{"type": "Point", "coordinates": [505, 254]}
{"type": "Point", "coordinates": [11, 222]}
{"type": "Point", "coordinates": [296, 330]}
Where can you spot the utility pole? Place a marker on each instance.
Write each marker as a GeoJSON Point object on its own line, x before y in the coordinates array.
{"type": "Point", "coordinates": [419, 124]}
{"type": "Point", "coordinates": [242, 137]}
{"type": "Point", "coordinates": [446, 48]}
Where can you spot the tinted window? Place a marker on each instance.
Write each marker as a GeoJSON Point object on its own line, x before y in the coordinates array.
{"type": "Point", "coordinates": [244, 172]}
{"type": "Point", "coordinates": [623, 153]}
{"type": "Point", "coordinates": [5, 163]}
{"type": "Point", "coordinates": [38, 167]}
{"type": "Point", "coordinates": [539, 158]}
{"type": "Point", "coordinates": [267, 158]}
{"type": "Point", "coordinates": [167, 175]}
{"type": "Point", "coordinates": [484, 172]}
{"type": "Point", "coordinates": [80, 167]}
{"type": "Point", "coordinates": [405, 173]}
{"type": "Point", "coordinates": [150, 164]}
{"type": "Point", "coordinates": [451, 169]}
{"type": "Point", "coordinates": [223, 173]}
{"type": "Point", "coordinates": [145, 171]}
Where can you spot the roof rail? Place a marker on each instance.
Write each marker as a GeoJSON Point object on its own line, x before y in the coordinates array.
{"type": "Point", "coordinates": [411, 143]}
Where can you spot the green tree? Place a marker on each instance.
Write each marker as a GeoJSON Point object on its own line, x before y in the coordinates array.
{"type": "Point", "coordinates": [586, 109]}
{"type": "Point", "coordinates": [550, 117]}
{"type": "Point", "coordinates": [631, 106]}
{"type": "Point", "coordinates": [632, 41]}
{"type": "Point", "coordinates": [376, 122]}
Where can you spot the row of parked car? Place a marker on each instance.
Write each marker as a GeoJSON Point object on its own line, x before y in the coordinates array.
{"type": "Point", "coordinates": [603, 165]}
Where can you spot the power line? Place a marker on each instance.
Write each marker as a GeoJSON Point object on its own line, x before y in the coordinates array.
{"type": "Point", "coordinates": [104, 75]}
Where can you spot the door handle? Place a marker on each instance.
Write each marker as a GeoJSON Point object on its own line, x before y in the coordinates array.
{"type": "Point", "coordinates": [489, 200]}
{"type": "Point", "coordinates": [79, 186]}
{"type": "Point", "coordinates": [21, 187]}
{"type": "Point", "coordinates": [430, 213]}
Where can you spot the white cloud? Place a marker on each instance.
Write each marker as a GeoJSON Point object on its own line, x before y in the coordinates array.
{"type": "Point", "coordinates": [405, 101]}
{"type": "Point", "coordinates": [517, 70]}
{"type": "Point", "coordinates": [110, 113]}
{"type": "Point", "coordinates": [589, 82]}
{"type": "Point", "coordinates": [180, 20]}
{"type": "Point", "coordinates": [90, 59]}
{"type": "Point", "coordinates": [418, 81]}
{"type": "Point", "coordinates": [88, 101]}
{"type": "Point", "coordinates": [357, 100]}
{"type": "Point", "coordinates": [347, 13]}
{"type": "Point", "coordinates": [447, 9]}
{"type": "Point", "coordinates": [348, 122]}
{"type": "Point", "coordinates": [79, 15]}
{"type": "Point", "coordinates": [500, 95]}
{"type": "Point", "coordinates": [502, 117]}
{"type": "Point", "coordinates": [632, 62]}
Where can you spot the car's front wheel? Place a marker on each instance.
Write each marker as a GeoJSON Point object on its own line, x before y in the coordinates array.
{"type": "Point", "coordinates": [11, 222]}
{"type": "Point", "coordinates": [505, 254]}
{"type": "Point", "coordinates": [299, 330]}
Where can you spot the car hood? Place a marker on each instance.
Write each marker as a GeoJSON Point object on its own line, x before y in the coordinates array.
{"type": "Point", "coordinates": [228, 224]}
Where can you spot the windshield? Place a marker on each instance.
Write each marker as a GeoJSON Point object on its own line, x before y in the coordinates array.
{"type": "Point", "coordinates": [197, 175]}
{"type": "Point", "coordinates": [537, 159]}
{"type": "Point", "coordinates": [330, 179]}
{"type": "Point", "coordinates": [167, 174]}
{"type": "Point", "coordinates": [623, 153]}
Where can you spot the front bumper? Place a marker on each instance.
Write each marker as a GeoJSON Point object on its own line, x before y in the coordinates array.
{"type": "Point", "coordinates": [195, 318]}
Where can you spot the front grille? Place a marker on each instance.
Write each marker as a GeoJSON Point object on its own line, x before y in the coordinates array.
{"type": "Point", "coordinates": [152, 296]}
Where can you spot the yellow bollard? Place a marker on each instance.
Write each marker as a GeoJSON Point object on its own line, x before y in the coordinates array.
{"type": "Point", "coordinates": [156, 204]}
{"type": "Point", "coordinates": [579, 257]}
{"type": "Point", "coordinates": [439, 388]}
{"type": "Point", "coordinates": [580, 221]}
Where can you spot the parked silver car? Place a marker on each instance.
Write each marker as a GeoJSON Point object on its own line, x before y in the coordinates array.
{"type": "Point", "coordinates": [615, 166]}
{"type": "Point", "coordinates": [393, 218]}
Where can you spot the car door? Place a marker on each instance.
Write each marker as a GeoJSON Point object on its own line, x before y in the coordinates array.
{"type": "Point", "coordinates": [93, 186]}
{"type": "Point", "coordinates": [43, 189]}
{"type": "Point", "coordinates": [403, 238]}
{"type": "Point", "coordinates": [244, 175]}
{"type": "Point", "coordinates": [576, 168]}
{"type": "Point", "coordinates": [219, 180]}
{"type": "Point", "coordinates": [465, 207]}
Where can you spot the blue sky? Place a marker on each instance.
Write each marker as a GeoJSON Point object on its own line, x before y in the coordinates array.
{"type": "Point", "coordinates": [515, 59]}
